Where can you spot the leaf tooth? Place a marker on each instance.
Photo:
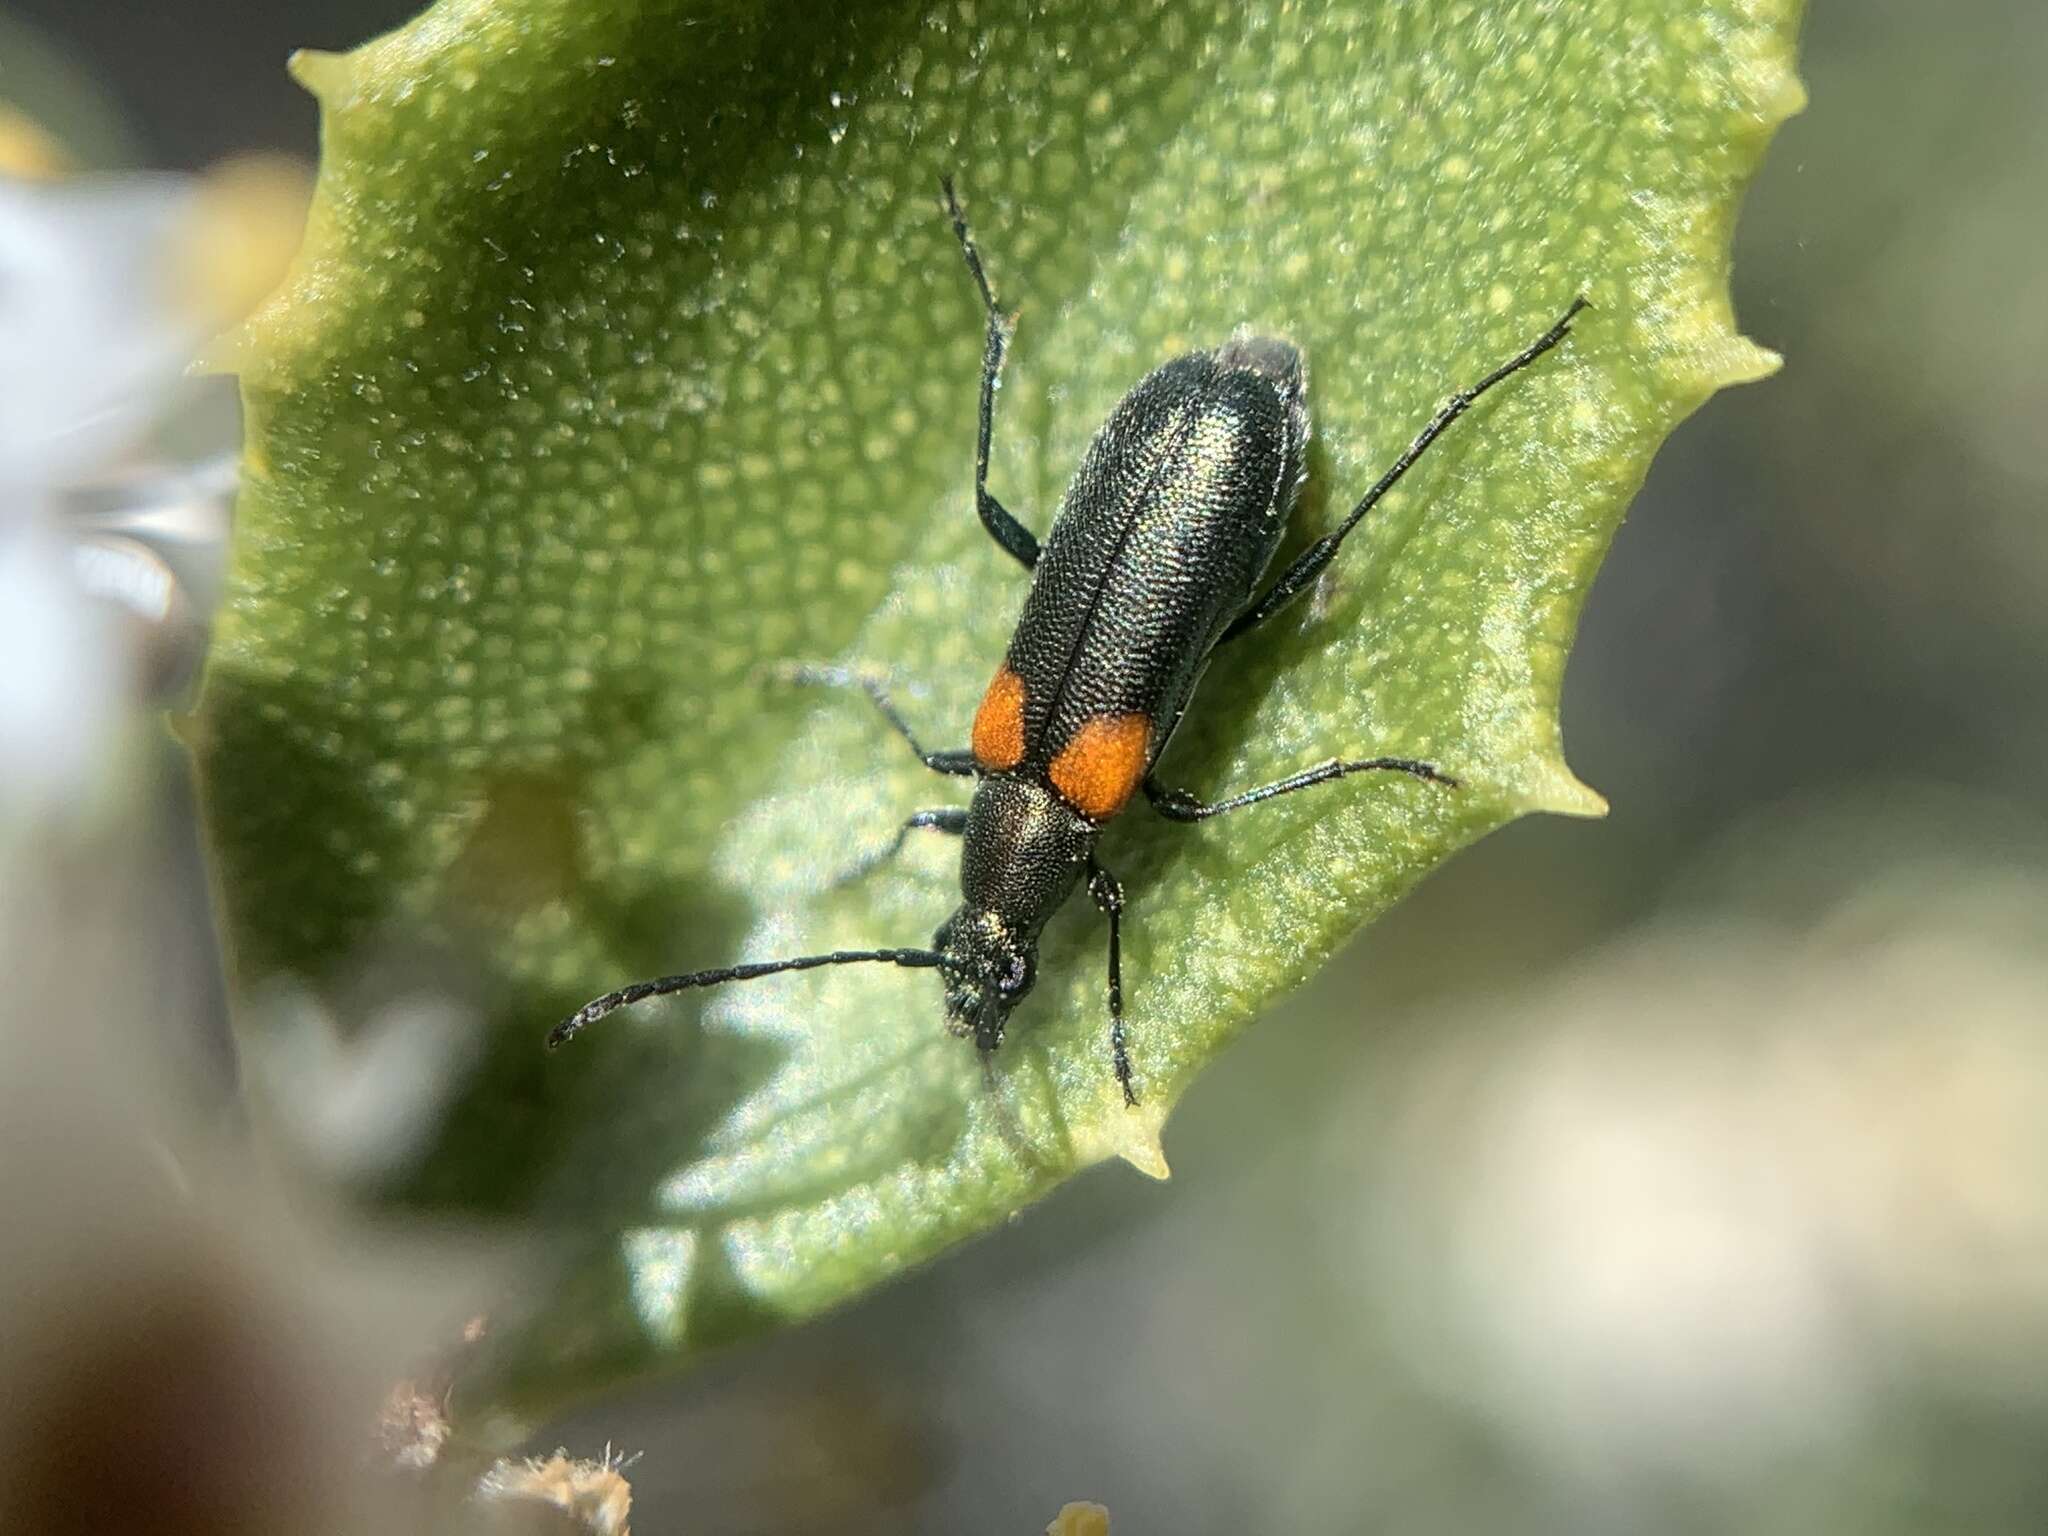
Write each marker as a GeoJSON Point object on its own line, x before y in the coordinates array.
{"type": "Point", "coordinates": [1129, 1133]}
{"type": "Point", "coordinates": [1554, 788]}
{"type": "Point", "coordinates": [1742, 361]}
{"type": "Point", "coordinates": [1784, 97]}
{"type": "Point", "coordinates": [1764, 73]}
{"type": "Point", "coordinates": [1703, 352]}
{"type": "Point", "coordinates": [328, 77]}
{"type": "Point", "coordinates": [1149, 1158]}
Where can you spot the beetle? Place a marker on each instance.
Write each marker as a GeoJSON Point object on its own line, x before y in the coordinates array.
{"type": "Point", "coordinates": [1152, 566]}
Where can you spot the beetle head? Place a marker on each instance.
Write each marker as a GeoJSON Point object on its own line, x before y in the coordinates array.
{"type": "Point", "coordinates": [988, 967]}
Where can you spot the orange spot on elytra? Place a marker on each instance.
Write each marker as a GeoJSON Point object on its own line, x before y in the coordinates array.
{"type": "Point", "coordinates": [1099, 769]}
{"type": "Point", "coordinates": [998, 738]}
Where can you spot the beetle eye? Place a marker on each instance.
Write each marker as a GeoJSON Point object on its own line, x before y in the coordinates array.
{"type": "Point", "coordinates": [1015, 980]}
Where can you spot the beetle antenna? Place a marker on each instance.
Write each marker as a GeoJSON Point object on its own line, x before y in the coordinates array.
{"type": "Point", "coordinates": [661, 986]}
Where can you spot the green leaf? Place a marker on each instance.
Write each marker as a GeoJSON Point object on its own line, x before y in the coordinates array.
{"type": "Point", "coordinates": [629, 356]}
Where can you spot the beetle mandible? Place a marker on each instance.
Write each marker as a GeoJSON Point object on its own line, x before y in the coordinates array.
{"type": "Point", "coordinates": [1153, 564]}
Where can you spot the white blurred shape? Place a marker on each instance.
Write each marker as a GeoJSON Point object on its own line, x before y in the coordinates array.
{"type": "Point", "coordinates": [90, 344]}
{"type": "Point", "coordinates": [1641, 1273]}
{"type": "Point", "coordinates": [364, 1104]}
{"type": "Point", "coordinates": [1693, 1205]}
{"type": "Point", "coordinates": [92, 350]}
{"type": "Point", "coordinates": [60, 693]}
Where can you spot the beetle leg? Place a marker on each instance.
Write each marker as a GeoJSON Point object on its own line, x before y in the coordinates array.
{"type": "Point", "coordinates": [1309, 564]}
{"type": "Point", "coordinates": [950, 819]}
{"type": "Point", "coordinates": [958, 761]}
{"type": "Point", "coordinates": [1108, 893]}
{"type": "Point", "coordinates": [1013, 536]}
{"type": "Point", "coordinates": [1179, 805]}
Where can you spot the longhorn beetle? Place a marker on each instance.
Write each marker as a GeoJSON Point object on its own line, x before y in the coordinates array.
{"type": "Point", "coordinates": [1152, 566]}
